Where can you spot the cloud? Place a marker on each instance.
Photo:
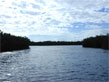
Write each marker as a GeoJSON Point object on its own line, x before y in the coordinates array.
{"type": "Point", "coordinates": [35, 6]}
{"type": "Point", "coordinates": [5, 16]}
{"type": "Point", "coordinates": [30, 12]}
{"type": "Point", "coordinates": [55, 19]}
{"type": "Point", "coordinates": [22, 4]}
{"type": "Point", "coordinates": [104, 10]}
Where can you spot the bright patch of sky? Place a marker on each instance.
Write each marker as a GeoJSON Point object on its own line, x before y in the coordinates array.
{"type": "Point", "coordinates": [68, 20]}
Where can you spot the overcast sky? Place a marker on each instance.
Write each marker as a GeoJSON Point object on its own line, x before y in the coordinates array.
{"type": "Point", "coordinates": [63, 20]}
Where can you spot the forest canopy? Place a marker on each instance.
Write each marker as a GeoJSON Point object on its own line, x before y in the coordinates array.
{"type": "Point", "coordinates": [10, 42]}
{"type": "Point", "coordinates": [101, 41]}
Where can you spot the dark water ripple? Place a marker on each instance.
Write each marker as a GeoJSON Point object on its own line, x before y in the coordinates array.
{"type": "Point", "coordinates": [55, 64]}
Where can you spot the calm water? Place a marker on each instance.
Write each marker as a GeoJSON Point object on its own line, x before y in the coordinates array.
{"type": "Point", "coordinates": [55, 64]}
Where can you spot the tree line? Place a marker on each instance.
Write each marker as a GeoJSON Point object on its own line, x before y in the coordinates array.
{"type": "Point", "coordinates": [10, 42]}
{"type": "Point", "coordinates": [101, 41]}
{"type": "Point", "coordinates": [47, 43]}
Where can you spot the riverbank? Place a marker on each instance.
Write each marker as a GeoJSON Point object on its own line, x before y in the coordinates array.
{"type": "Point", "coordinates": [101, 41]}
{"type": "Point", "coordinates": [10, 42]}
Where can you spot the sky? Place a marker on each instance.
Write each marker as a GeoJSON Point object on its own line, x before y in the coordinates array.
{"type": "Point", "coordinates": [55, 20]}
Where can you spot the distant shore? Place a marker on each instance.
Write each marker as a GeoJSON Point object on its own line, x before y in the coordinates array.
{"type": "Point", "coordinates": [101, 41]}
{"type": "Point", "coordinates": [50, 43]}
{"type": "Point", "coordinates": [10, 42]}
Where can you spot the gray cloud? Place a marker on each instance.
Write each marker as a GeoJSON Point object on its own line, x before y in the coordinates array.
{"type": "Point", "coordinates": [40, 1]}
{"type": "Point", "coordinates": [103, 10]}
{"type": "Point", "coordinates": [5, 16]}
{"type": "Point", "coordinates": [22, 4]}
{"type": "Point", "coordinates": [30, 12]}
{"type": "Point", "coordinates": [51, 21]}
{"type": "Point", "coordinates": [35, 6]}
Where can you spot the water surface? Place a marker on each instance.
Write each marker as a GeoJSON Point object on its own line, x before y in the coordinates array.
{"type": "Point", "coordinates": [55, 64]}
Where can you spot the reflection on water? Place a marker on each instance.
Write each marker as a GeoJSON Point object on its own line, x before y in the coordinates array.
{"type": "Point", "coordinates": [55, 64]}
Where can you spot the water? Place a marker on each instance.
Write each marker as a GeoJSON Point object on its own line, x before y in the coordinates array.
{"type": "Point", "coordinates": [55, 64]}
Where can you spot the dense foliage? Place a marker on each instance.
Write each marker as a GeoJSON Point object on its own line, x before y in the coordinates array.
{"type": "Point", "coordinates": [10, 42]}
{"type": "Point", "coordinates": [56, 43]}
{"type": "Point", "coordinates": [97, 42]}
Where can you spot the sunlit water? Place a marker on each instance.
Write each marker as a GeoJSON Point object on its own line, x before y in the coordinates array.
{"type": "Point", "coordinates": [55, 64]}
